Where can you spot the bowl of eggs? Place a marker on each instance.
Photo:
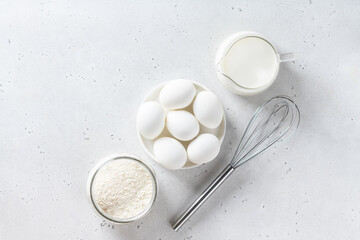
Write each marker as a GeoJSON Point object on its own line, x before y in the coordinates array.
{"type": "Point", "coordinates": [181, 124]}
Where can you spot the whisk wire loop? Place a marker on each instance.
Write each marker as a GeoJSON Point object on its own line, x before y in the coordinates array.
{"type": "Point", "coordinates": [270, 123]}
{"type": "Point", "coordinates": [253, 136]}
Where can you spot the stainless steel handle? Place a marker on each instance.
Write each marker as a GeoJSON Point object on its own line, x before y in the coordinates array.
{"type": "Point", "coordinates": [203, 197]}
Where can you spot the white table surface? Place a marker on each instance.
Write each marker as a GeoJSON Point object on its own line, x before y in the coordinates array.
{"type": "Point", "coordinates": [73, 74]}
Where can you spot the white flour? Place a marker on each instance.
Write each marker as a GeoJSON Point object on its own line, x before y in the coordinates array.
{"type": "Point", "coordinates": [123, 188]}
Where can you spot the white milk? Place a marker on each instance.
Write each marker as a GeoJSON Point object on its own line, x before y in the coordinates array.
{"type": "Point", "coordinates": [251, 62]}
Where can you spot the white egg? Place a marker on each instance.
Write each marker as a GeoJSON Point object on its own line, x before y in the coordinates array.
{"type": "Point", "coordinates": [150, 120]}
{"type": "Point", "coordinates": [170, 153]}
{"type": "Point", "coordinates": [177, 94]}
{"type": "Point", "coordinates": [203, 149]}
{"type": "Point", "coordinates": [208, 109]}
{"type": "Point", "coordinates": [182, 125]}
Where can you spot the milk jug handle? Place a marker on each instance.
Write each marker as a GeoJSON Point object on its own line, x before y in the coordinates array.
{"type": "Point", "coordinates": [286, 57]}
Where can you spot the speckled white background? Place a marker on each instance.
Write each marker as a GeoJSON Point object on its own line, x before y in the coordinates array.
{"type": "Point", "coordinates": [73, 73]}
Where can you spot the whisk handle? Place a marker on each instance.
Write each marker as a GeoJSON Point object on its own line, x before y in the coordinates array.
{"type": "Point", "coordinates": [203, 197]}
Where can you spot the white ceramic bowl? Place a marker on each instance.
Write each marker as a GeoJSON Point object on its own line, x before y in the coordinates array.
{"type": "Point", "coordinates": [148, 144]}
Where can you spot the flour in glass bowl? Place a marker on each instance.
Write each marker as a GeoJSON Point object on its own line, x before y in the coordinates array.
{"type": "Point", "coordinates": [123, 188]}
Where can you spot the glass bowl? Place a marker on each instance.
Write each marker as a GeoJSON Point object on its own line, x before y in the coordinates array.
{"type": "Point", "coordinates": [91, 179]}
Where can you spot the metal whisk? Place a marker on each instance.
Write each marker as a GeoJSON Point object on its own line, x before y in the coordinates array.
{"type": "Point", "coordinates": [272, 122]}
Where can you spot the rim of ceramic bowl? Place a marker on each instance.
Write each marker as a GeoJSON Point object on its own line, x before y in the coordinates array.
{"type": "Point", "coordinates": [100, 165]}
{"type": "Point", "coordinates": [158, 88]}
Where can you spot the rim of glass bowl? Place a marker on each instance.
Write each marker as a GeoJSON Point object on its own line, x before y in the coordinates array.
{"type": "Point", "coordinates": [92, 177]}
